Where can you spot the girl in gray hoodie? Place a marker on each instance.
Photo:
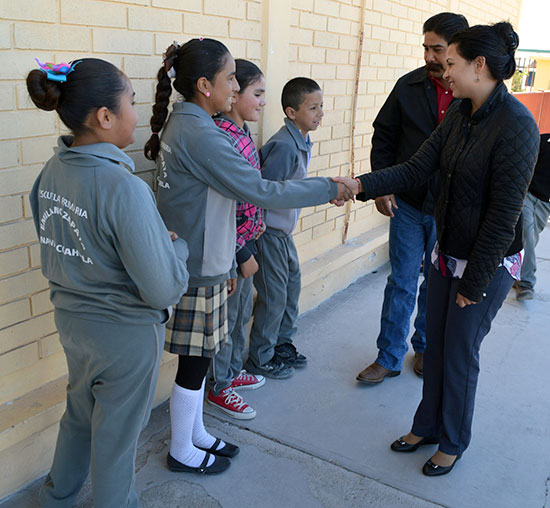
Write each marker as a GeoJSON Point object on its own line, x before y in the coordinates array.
{"type": "Point", "coordinates": [200, 177]}
{"type": "Point", "coordinates": [99, 232]}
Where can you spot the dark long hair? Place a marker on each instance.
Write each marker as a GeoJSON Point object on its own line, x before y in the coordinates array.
{"type": "Point", "coordinates": [497, 43]}
{"type": "Point", "coordinates": [196, 59]}
{"type": "Point", "coordinates": [93, 84]}
{"type": "Point", "coordinates": [246, 73]}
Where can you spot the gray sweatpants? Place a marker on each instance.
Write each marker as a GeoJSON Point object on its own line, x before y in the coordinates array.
{"type": "Point", "coordinates": [227, 363]}
{"type": "Point", "coordinates": [535, 218]}
{"type": "Point", "coordinates": [278, 285]}
{"type": "Point", "coordinates": [112, 377]}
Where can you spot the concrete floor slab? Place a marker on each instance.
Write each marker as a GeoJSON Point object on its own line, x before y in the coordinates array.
{"type": "Point", "coordinates": [322, 440]}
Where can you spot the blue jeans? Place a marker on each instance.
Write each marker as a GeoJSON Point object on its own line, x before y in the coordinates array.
{"type": "Point", "coordinates": [412, 237]}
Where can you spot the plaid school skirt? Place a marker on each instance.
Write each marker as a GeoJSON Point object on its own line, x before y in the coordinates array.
{"type": "Point", "coordinates": [198, 326]}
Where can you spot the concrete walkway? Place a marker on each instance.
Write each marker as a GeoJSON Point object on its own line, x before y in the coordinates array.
{"type": "Point", "coordinates": [322, 440]}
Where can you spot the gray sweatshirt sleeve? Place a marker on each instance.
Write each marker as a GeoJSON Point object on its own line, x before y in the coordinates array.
{"type": "Point", "coordinates": [155, 263]}
{"type": "Point", "coordinates": [279, 161]}
{"type": "Point", "coordinates": [222, 168]}
{"type": "Point", "coordinates": [33, 199]}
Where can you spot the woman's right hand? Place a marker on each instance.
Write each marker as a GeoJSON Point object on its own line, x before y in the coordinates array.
{"type": "Point", "coordinates": [249, 267]}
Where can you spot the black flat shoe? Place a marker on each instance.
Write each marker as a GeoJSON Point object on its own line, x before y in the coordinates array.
{"type": "Point", "coordinates": [219, 465]}
{"type": "Point", "coordinates": [401, 446]}
{"type": "Point", "coordinates": [431, 469]}
{"type": "Point", "coordinates": [228, 450]}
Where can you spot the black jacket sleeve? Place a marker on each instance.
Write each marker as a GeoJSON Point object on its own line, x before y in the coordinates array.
{"type": "Point", "coordinates": [417, 170]}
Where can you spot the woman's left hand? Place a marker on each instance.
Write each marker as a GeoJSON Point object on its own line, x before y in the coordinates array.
{"type": "Point", "coordinates": [462, 301]}
{"type": "Point", "coordinates": [231, 286]}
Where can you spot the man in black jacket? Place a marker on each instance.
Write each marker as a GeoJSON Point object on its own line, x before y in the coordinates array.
{"type": "Point", "coordinates": [412, 111]}
{"type": "Point", "coordinates": [536, 210]}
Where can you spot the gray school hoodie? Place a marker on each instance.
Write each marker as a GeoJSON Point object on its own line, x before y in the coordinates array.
{"type": "Point", "coordinates": [285, 156]}
{"type": "Point", "coordinates": [103, 245]}
{"type": "Point", "coordinates": [201, 175]}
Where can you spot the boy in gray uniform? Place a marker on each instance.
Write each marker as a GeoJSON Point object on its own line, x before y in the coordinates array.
{"type": "Point", "coordinates": [285, 156]}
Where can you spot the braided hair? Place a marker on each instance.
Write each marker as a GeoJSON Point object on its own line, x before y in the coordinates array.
{"type": "Point", "coordinates": [185, 64]}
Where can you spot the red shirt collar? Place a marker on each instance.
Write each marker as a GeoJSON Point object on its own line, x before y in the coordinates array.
{"type": "Point", "coordinates": [444, 97]}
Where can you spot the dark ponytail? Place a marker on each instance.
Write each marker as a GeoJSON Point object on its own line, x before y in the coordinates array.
{"type": "Point", "coordinates": [497, 43]}
{"type": "Point", "coordinates": [197, 58]}
{"type": "Point", "coordinates": [93, 84]}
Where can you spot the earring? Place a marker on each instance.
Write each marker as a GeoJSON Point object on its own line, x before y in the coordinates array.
{"type": "Point", "coordinates": [477, 78]}
{"type": "Point", "coordinates": [208, 93]}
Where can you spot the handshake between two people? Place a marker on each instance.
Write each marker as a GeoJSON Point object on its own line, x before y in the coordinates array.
{"type": "Point", "coordinates": [348, 188]}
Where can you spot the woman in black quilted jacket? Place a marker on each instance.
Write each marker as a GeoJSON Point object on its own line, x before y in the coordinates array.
{"type": "Point", "coordinates": [485, 149]}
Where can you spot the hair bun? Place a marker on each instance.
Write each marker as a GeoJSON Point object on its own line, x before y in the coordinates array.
{"type": "Point", "coordinates": [43, 92]}
{"type": "Point", "coordinates": [509, 37]}
{"type": "Point", "coordinates": [513, 41]}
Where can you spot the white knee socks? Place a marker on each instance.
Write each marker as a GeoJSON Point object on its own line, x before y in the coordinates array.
{"type": "Point", "coordinates": [184, 406]}
{"type": "Point", "coordinates": [200, 436]}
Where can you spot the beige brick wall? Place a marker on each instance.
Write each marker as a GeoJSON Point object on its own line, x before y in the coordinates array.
{"type": "Point", "coordinates": [322, 43]}
{"type": "Point", "coordinates": [132, 35]}
{"type": "Point", "coordinates": [324, 46]}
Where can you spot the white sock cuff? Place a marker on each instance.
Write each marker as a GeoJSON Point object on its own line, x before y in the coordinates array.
{"type": "Point", "coordinates": [180, 390]}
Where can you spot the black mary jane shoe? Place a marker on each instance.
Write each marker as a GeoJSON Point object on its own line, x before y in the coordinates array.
{"type": "Point", "coordinates": [228, 450]}
{"type": "Point", "coordinates": [219, 465]}
{"type": "Point", "coordinates": [399, 445]}
{"type": "Point", "coordinates": [432, 469]}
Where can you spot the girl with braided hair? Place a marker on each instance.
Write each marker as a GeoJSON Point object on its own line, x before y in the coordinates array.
{"type": "Point", "coordinates": [201, 176]}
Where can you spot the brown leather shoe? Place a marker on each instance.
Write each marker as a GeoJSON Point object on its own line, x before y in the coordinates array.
{"type": "Point", "coordinates": [375, 374]}
{"type": "Point", "coordinates": [419, 364]}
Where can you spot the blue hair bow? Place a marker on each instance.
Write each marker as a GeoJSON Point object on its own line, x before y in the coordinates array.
{"type": "Point", "coordinates": [57, 72]}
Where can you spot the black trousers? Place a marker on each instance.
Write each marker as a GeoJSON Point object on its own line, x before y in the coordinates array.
{"type": "Point", "coordinates": [451, 359]}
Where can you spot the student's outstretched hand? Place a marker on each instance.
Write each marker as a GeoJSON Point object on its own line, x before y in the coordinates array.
{"type": "Point", "coordinates": [173, 236]}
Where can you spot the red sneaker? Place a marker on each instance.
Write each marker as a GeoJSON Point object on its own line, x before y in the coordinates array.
{"type": "Point", "coordinates": [232, 404]}
{"type": "Point", "coordinates": [246, 381]}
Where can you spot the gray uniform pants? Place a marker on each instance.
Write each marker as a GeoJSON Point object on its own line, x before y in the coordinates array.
{"type": "Point", "coordinates": [228, 362]}
{"type": "Point", "coordinates": [535, 218]}
{"type": "Point", "coordinates": [278, 285]}
{"type": "Point", "coordinates": [112, 377]}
